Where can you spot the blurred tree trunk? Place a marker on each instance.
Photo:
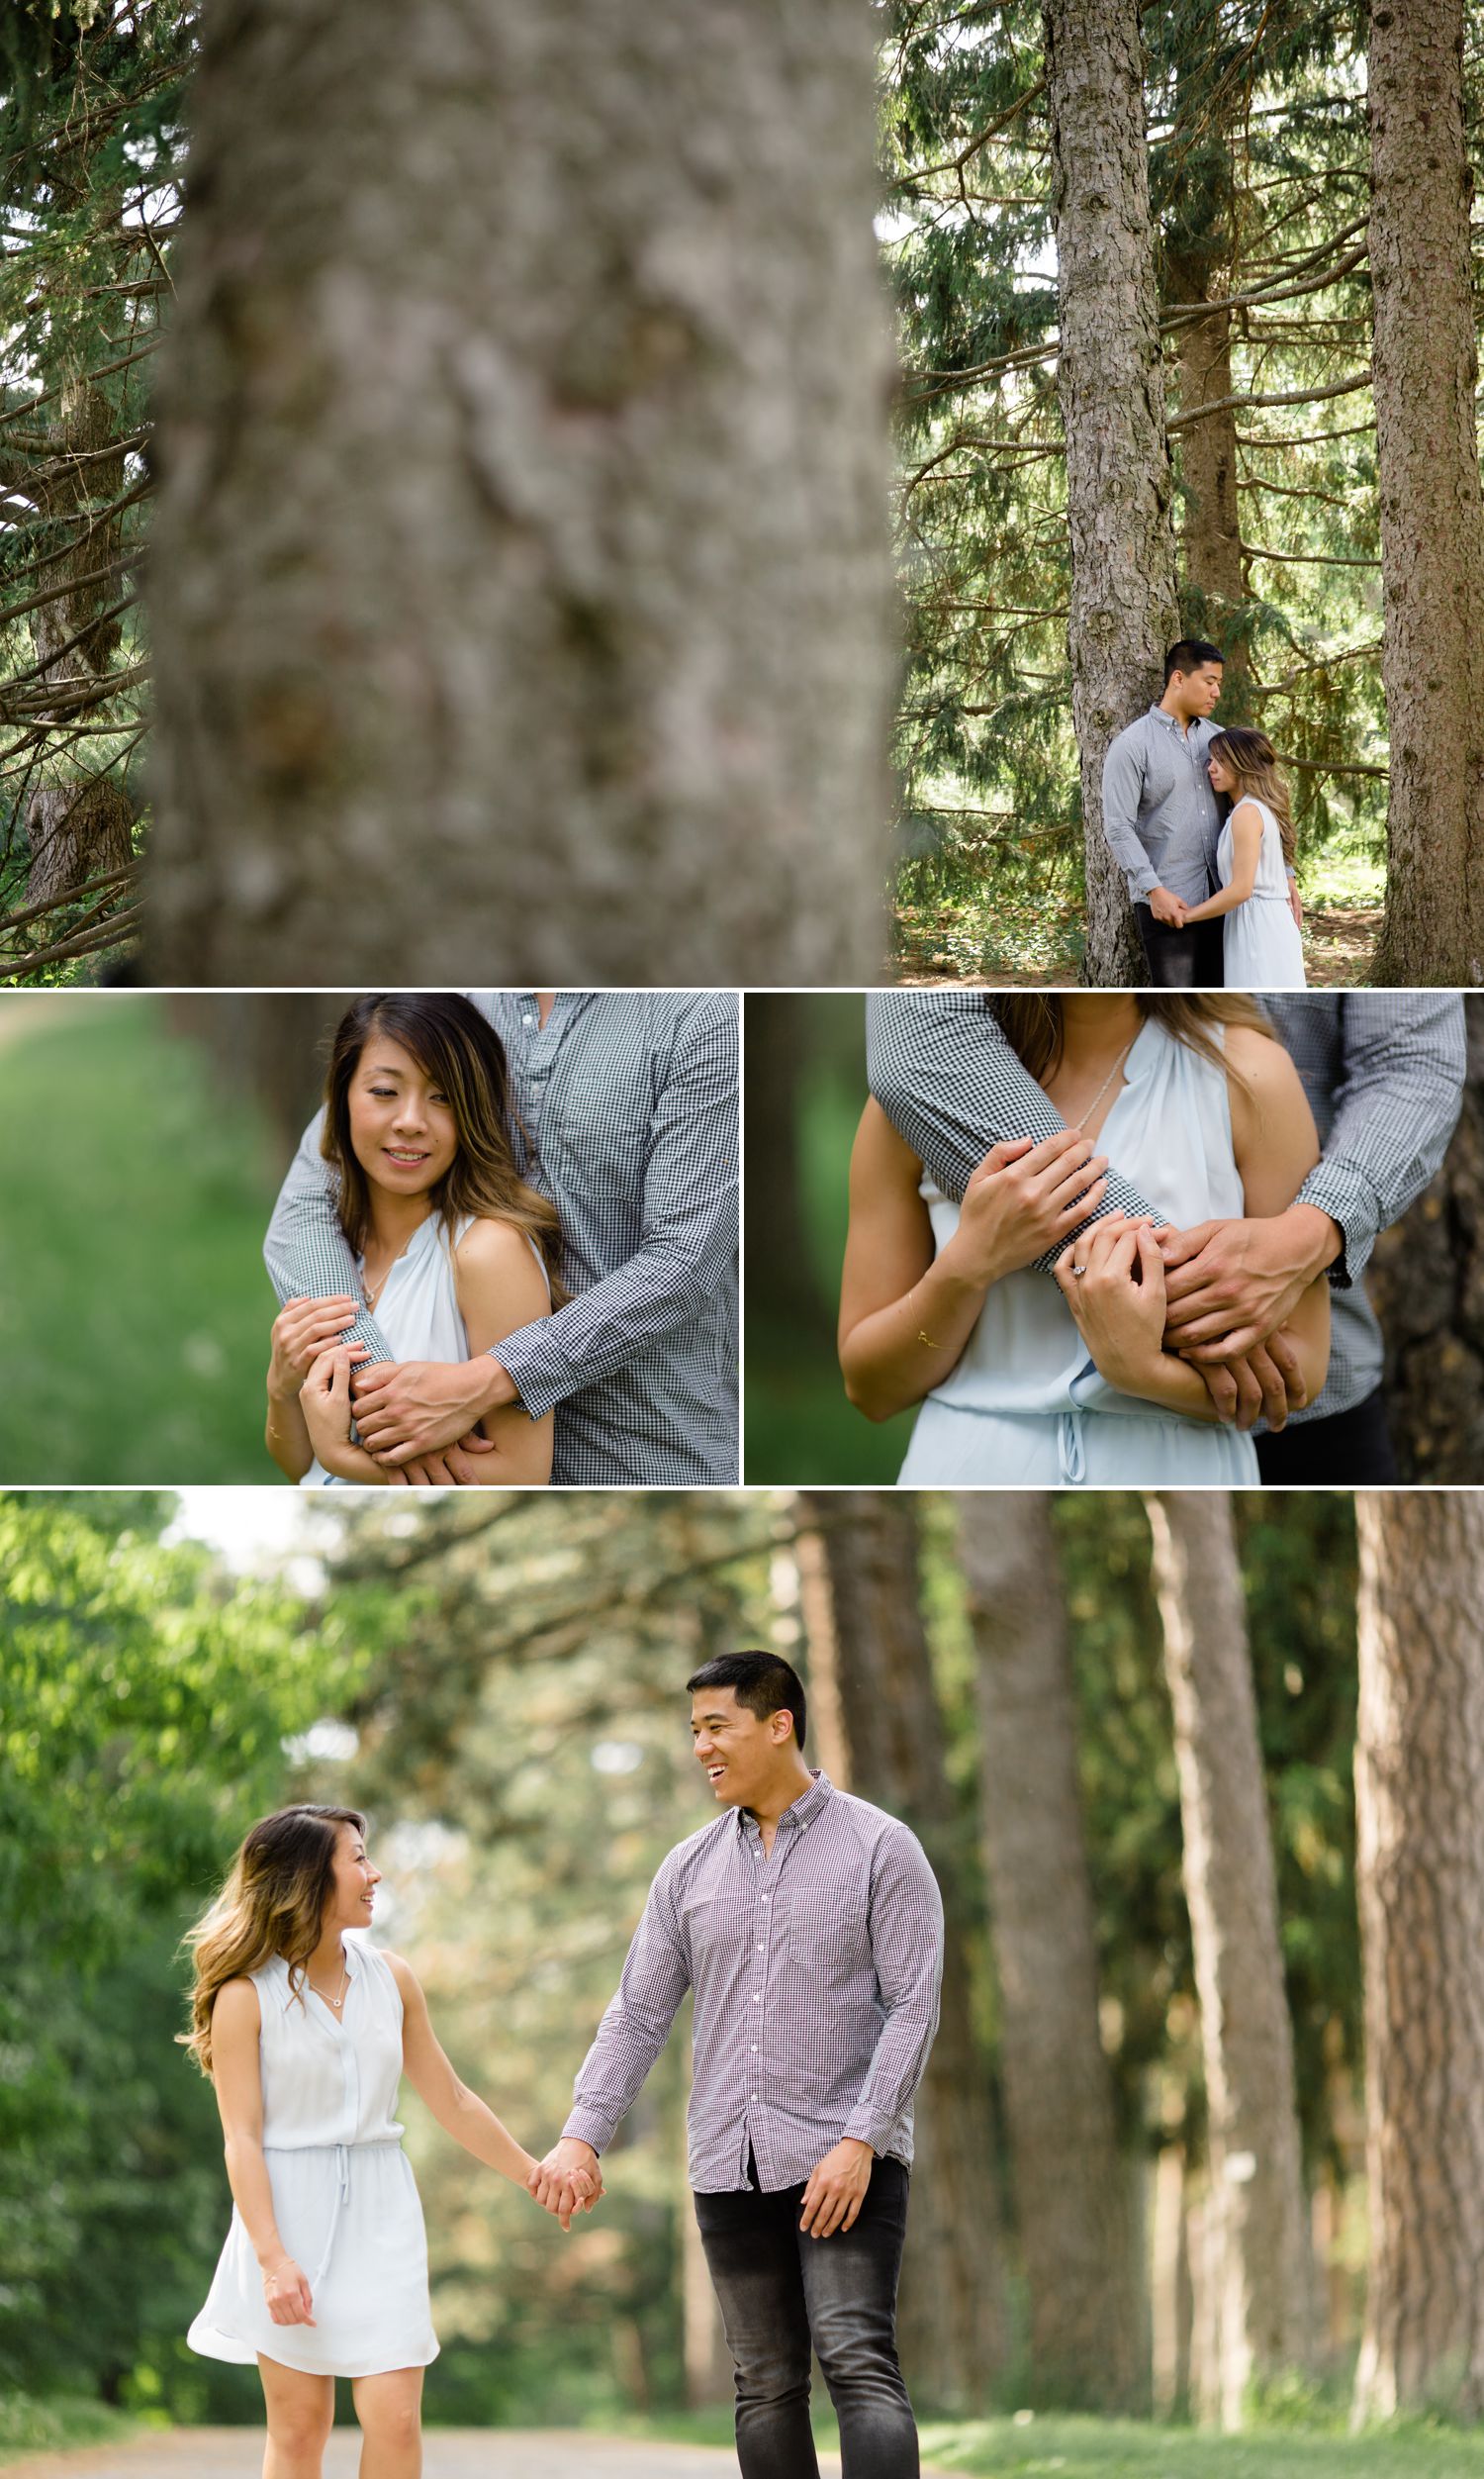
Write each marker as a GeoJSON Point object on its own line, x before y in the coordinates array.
{"type": "Point", "coordinates": [269, 1044]}
{"type": "Point", "coordinates": [953, 2319]}
{"type": "Point", "coordinates": [1420, 1873]}
{"type": "Point", "coordinates": [1071, 2192]}
{"type": "Point", "coordinates": [1266, 2274]}
{"type": "Point", "coordinates": [780, 1279]}
{"type": "Point", "coordinates": [521, 576]}
{"type": "Point", "coordinates": [1424, 372]}
{"type": "Point", "coordinates": [1111, 385]}
{"type": "Point", "coordinates": [1196, 262]}
{"type": "Point", "coordinates": [1427, 1279]}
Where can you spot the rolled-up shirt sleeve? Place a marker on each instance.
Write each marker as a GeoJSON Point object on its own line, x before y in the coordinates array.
{"type": "Point", "coordinates": [305, 1252]}
{"type": "Point", "coordinates": [689, 1229]}
{"type": "Point", "coordinates": [940, 1066]}
{"type": "Point", "coordinates": [637, 2023]}
{"type": "Point", "coordinates": [906, 1943]}
{"type": "Point", "coordinates": [1396, 1108]}
{"type": "Point", "coordinates": [1123, 783]}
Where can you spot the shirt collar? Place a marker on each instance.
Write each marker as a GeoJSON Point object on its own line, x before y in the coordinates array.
{"type": "Point", "coordinates": [804, 1809]}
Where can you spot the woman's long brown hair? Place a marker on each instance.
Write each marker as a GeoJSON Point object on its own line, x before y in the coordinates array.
{"type": "Point", "coordinates": [1033, 1025]}
{"type": "Point", "coordinates": [272, 1903]}
{"type": "Point", "coordinates": [461, 1053]}
{"type": "Point", "coordinates": [1253, 761]}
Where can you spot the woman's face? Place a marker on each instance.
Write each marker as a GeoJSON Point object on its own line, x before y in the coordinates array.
{"type": "Point", "coordinates": [402, 1128]}
{"type": "Point", "coordinates": [353, 1882]}
{"type": "Point", "coordinates": [1221, 778]}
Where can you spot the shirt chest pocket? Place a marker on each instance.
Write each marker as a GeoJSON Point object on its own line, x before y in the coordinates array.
{"type": "Point", "coordinates": [598, 1146]}
{"type": "Point", "coordinates": [825, 1935]}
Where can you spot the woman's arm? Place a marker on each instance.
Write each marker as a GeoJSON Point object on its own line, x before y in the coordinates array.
{"type": "Point", "coordinates": [324, 1403]}
{"type": "Point", "coordinates": [905, 1315]}
{"type": "Point", "coordinates": [1246, 845]}
{"type": "Point", "coordinates": [501, 1290]}
{"type": "Point", "coordinates": [237, 2076]}
{"type": "Point", "coordinates": [302, 1331]}
{"type": "Point", "coordinates": [1276, 1145]}
{"type": "Point", "coordinates": [459, 2111]}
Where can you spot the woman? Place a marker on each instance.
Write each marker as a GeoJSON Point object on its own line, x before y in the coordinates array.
{"type": "Point", "coordinates": [455, 1249]}
{"type": "Point", "coordinates": [1026, 1379]}
{"type": "Point", "coordinates": [1260, 944]}
{"type": "Point", "coordinates": [306, 2038]}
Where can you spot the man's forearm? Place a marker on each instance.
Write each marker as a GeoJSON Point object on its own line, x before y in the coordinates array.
{"type": "Point", "coordinates": [305, 1250]}
{"type": "Point", "coordinates": [655, 1291]}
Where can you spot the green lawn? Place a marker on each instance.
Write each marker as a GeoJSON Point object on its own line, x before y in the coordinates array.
{"type": "Point", "coordinates": [134, 1309]}
{"type": "Point", "coordinates": [30, 2427]}
{"type": "Point", "coordinates": [1091, 2449]}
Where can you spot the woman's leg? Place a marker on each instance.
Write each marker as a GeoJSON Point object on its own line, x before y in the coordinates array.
{"type": "Point", "coordinates": [300, 2413]}
{"type": "Point", "coordinates": [390, 2410]}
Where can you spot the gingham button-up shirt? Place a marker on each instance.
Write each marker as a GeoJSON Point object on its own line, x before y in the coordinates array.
{"type": "Point", "coordinates": [1383, 1070]}
{"type": "Point", "coordinates": [629, 1101]}
{"type": "Point", "coordinates": [817, 1968]}
{"type": "Point", "coordinates": [1160, 816]}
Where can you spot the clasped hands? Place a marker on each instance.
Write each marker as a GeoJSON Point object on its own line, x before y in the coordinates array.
{"type": "Point", "coordinates": [417, 1418]}
{"type": "Point", "coordinates": [569, 2180]}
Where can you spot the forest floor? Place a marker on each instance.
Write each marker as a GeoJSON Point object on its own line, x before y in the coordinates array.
{"type": "Point", "coordinates": [1339, 941]}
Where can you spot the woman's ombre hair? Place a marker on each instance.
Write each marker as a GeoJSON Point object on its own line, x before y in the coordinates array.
{"type": "Point", "coordinates": [463, 1056]}
{"type": "Point", "coordinates": [1033, 1025]}
{"type": "Point", "coordinates": [1253, 761]}
{"type": "Point", "coordinates": [272, 1903]}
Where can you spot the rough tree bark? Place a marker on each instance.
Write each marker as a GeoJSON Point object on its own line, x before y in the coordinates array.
{"type": "Point", "coordinates": [1424, 372]}
{"type": "Point", "coordinates": [1210, 517]}
{"type": "Point", "coordinates": [953, 2315]}
{"type": "Point", "coordinates": [1111, 388]}
{"type": "Point", "coordinates": [1072, 2194]}
{"type": "Point", "coordinates": [520, 571]}
{"type": "Point", "coordinates": [1266, 2278]}
{"type": "Point", "coordinates": [1427, 1279]}
{"type": "Point", "coordinates": [1420, 1865]}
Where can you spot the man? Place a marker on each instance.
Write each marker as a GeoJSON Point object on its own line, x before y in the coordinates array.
{"type": "Point", "coordinates": [1384, 1075]}
{"type": "Point", "coordinates": [1162, 820]}
{"type": "Point", "coordinates": [810, 1927]}
{"type": "Point", "coordinates": [627, 1120]}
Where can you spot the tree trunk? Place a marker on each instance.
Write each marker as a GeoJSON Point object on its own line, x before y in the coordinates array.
{"type": "Point", "coordinates": [1265, 2275]}
{"type": "Point", "coordinates": [1111, 388]}
{"type": "Point", "coordinates": [1425, 371]}
{"type": "Point", "coordinates": [520, 573]}
{"type": "Point", "coordinates": [1420, 1873]}
{"type": "Point", "coordinates": [1427, 1279]}
{"type": "Point", "coordinates": [1210, 516]}
{"type": "Point", "coordinates": [1070, 2189]}
{"type": "Point", "coordinates": [780, 1268]}
{"type": "Point", "coordinates": [953, 2319]}
{"type": "Point", "coordinates": [77, 831]}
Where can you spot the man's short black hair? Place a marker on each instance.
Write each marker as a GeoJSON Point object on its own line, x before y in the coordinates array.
{"type": "Point", "coordinates": [1189, 655]}
{"type": "Point", "coordinates": [763, 1684]}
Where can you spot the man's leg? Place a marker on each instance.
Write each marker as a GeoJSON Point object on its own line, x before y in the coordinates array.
{"type": "Point", "coordinates": [1170, 954]}
{"type": "Point", "coordinates": [1346, 1449]}
{"type": "Point", "coordinates": [1211, 955]}
{"type": "Point", "coordinates": [751, 2243]}
{"type": "Point", "coordinates": [849, 2284]}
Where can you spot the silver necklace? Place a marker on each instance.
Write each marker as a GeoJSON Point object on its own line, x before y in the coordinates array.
{"type": "Point", "coordinates": [1084, 1114]}
{"type": "Point", "coordinates": [335, 2003]}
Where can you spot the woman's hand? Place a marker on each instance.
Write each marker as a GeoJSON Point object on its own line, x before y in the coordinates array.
{"type": "Point", "coordinates": [1021, 1200]}
{"type": "Point", "coordinates": [287, 2292]}
{"type": "Point", "coordinates": [1118, 1298]}
{"type": "Point", "coordinates": [325, 1399]}
{"type": "Point", "coordinates": [300, 1332]}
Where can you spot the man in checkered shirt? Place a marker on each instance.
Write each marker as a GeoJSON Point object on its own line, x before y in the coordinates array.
{"type": "Point", "coordinates": [809, 1926]}
{"type": "Point", "coordinates": [627, 1107]}
{"type": "Point", "coordinates": [1383, 1070]}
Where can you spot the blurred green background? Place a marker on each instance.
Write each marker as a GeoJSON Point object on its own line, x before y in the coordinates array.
{"type": "Point", "coordinates": [806, 1090]}
{"type": "Point", "coordinates": [141, 1148]}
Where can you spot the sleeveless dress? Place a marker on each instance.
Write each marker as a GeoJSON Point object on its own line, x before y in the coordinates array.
{"type": "Point", "coordinates": [1025, 1406]}
{"type": "Point", "coordinates": [343, 2193]}
{"type": "Point", "coordinates": [418, 1310]}
{"type": "Point", "coordinates": [1260, 947]}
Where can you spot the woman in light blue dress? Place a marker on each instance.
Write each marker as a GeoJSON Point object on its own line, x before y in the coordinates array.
{"type": "Point", "coordinates": [1037, 1380]}
{"type": "Point", "coordinates": [1260, 944]}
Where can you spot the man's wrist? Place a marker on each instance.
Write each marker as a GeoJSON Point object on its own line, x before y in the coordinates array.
{"type": "Point", "coordinates": [496, 1384]}
{"type": "Point", "coordinates": [1317, 1238]}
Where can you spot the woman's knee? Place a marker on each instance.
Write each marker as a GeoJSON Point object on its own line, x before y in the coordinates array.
{"type": "Point", "coordinates": [393, 2419]}
{"type": "Point", "coordinates": [299, 2431]}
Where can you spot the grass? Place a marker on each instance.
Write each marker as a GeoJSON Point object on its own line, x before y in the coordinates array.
{"type": "Point", "coordinates": [1093, 2448]}
{"type": "Point", "coordinates": [35, 2426]}
{"type": "Point", "coordinates": [134, 1311]}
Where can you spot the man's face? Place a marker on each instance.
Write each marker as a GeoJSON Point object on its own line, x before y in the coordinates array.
{"type": "Point", "coordinates": [1198, 693]}
{"type": "Point", "coordinates": [734, 1749]}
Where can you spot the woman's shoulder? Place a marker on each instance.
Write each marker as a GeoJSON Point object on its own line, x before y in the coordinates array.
{"type": "Point", "coordinates": [1262, 1074]}
{"type": "Point", "coordinates": [486, 1243]}
{"type": "Point", "coordinates": [237, 2005]}
{"type": "Point", "coordinates": [1248, 812]}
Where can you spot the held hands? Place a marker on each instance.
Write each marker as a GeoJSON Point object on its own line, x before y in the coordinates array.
{"type": "Point", "coordinates": [409, 1410]}
{"type": "Point", "coordinates": [287, 2293]}
{"type": "Point", "coordinates": [568, 2180]}
{"type": "Point", "coordinates": [300, 1332]}
{"type": "Point", "coordinates": [1167, 909]}
{"type": "Point", "coordinates": [325, 1399]}
{"type": "Point", "coordinates": [1230, 1284]}
{"type": "Point", "coordinates": [1022, 1199]}
{"type": "Point", "coordinates": [837, 2189]}
{"type": "Point", "coordinates": [1118, 1298]}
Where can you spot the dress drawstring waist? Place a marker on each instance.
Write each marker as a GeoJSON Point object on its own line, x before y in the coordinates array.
{"type": "Point", "coordinates": [342, 2155]}
{"type": "Point", "coordinates": [1072, 1450]}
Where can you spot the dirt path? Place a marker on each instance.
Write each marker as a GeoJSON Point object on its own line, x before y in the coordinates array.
{"type": "Point", "coordinates": [452, 2453]}
{"type": "Point", "coordinates": [1338, 948]}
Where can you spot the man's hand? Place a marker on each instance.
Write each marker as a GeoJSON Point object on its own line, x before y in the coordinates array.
{"type": "Point", "coordinates": [568, 2180]}
{"type": "Point", "coordinates": [1265, 1384]}
{"type": "Point", "coordinates": [837, 2189]}
{"type": "Point", "coordinates": [1166, 907]}
{"type": "Point", "coordinates": [1229, 1286]}
{"type": "Point", "coordinates": [457, 1467]}
{"type": "Point", "coordinates": [406, 1410]}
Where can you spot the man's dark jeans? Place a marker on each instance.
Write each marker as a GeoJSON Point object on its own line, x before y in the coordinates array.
{"type": "Point", "coordinates": [1345, 1450]}
{"type": "Point", "coordinates": [1182, 959]}
{"type": "Point", "coordinates": [779, 2291]}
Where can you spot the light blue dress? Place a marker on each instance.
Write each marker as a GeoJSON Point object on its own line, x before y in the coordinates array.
{"type": "Point", "coordinates": [1261, 946]}
{"type": "Point", "coordinates": [1025, 1406]}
